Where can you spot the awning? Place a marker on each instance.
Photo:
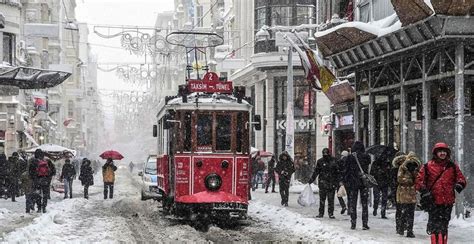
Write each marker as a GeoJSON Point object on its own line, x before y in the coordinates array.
{"type": "Point", "coordinates": [31, 78]}
{"type": "Point", "coordinates": [31, 139]}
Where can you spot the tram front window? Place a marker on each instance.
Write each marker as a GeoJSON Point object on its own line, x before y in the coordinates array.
{"type": "Point", "coordinates": [204, 132]}
{"type": "Point", "coordinates": [224, 132]}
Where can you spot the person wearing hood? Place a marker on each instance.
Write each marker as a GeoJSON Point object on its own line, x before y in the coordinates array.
{"type": "Point", "coordinates": [285, 168]}
{"type": "Point", "coordinates": [87, 176]}
{"type": "Point", "coordinates": [406, 194]}
{"type": "Point", "coordinates": [328, 172]}
{"type": "Point", "coordinates": [441, 176]}
{"type": "Point", "coordinates": [40, 172]}
{"type": "Point", "coordinates": [352, 180]}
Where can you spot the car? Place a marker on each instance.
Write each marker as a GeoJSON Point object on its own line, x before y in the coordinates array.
{"type": "Point", "coordinates": [149, 189]}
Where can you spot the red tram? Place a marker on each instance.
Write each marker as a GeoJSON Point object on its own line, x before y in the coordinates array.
{"type": "Point", "coordinates": [203, 157]}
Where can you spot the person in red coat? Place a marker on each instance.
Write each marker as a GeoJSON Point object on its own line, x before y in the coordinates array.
{"type": "Point", "coordinates": [442, 177]}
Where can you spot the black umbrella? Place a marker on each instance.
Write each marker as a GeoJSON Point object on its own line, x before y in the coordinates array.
{"type": "Point", "coordinates": [381, 151]}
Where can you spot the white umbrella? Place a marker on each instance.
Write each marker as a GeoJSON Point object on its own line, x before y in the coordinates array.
{"type": "Point", "coordinates": [53, 150]}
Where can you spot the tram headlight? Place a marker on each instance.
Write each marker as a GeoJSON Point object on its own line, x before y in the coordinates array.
{"type": "Point", "coordinates": [213, 182]}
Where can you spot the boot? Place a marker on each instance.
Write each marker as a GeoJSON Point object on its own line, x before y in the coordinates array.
{"type": "Point", "coordinates": [353, 226]}
{"type": "Point", "coordinates": [44, 209]}
{"type": "Point", "coordinates": [343, 210]}
{"type": "Point", "coordinates": [436, 238]}
{"type": "Point", "coordinates": [410, 234]}
{"type": "Point", "coordinates": [382, 213]}
{"type": "Point", "coordinates": [445, 238]}
{"type": "Point", "coordinates": [365, 227]}
{"type": "Point", "coordinates": [375, 212]}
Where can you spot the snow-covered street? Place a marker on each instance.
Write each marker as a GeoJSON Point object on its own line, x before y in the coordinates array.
{"type": "Point", "coordinates": [122, 219]}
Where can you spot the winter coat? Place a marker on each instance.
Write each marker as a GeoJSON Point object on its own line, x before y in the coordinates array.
{"type": "Point", "coordinates": [351, 175]}
{"type": "Point", "coordinates": [406, 192]}
{"type": "Point", "coordinates": [68, 172]}
{"type": "Point", "coordinates": [87, 175]}
{"type": "Point", "coordinates": [37, 180]}
{"type": "Point", "coordinates": [108, 172]}
{"type": "Point", "coordinates": [26, 182]}
{"type": "Point", "coordinates": [285, 167]}
{"type": "Point", "coordinates": [328, 171]}
{"type": "Point", "coordinates": [14, 168]}
{"type": "Point", "coordinates": [3, 166]}
{"type": "Point", "coordinates": [254, 166]}
{"type": "Point", "coordinates": [271, 166]}
{"type": "Point", "coordinates": [443, 188]}
{"type": "Point", "coordinates": [261, 165]}
{"type": "Point", "coordinates": [381, 171]}
{"type": "Point", "coordinates": [52, 171]}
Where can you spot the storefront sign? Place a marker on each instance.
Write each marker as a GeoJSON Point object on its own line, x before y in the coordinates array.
{"type": "Point", "coordinates": [9, 90]}
{"type": "Point", "coordinates": [345, 120]}
{"type": "Point", "coordinates": [300, 124]}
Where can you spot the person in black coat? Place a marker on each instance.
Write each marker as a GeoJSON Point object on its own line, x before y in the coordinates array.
{"type": "Point", "coordinates": [41, 181]}
{"type": "Point", "coordinates": [271, 175]}
{"type": "Point", "coordinates": [86, 177]}
{"type": "Point", "coordinates": [285, 168]}
{"type": "Point", "coordinates": [328, 172]}
{"type": "Point", "coordinates": [381, 171]}
{"type": "Point", "coordinates": [352, 180]}
{"type": "Point", "coordinates": [14, 169]}
{"type": "Point", "coordinates": [68, 174]}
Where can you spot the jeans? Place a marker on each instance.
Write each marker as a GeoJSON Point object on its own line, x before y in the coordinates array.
{"type": "Point", "coordinates": [108, 188]}
{"type": "Point", "coordinates": [352, 199]}
{"type": "Point", "coordinates": [68, 187]}
{"type": "Point", "coordinates": [381, 192]}
{"type": "Point", "coordinates": [329, 194]}
{"type": "Point", "coordinates": [271, 177]}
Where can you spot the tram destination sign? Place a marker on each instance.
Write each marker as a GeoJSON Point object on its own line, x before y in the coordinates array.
{"type": "Point", "coordinates": [210, 86]}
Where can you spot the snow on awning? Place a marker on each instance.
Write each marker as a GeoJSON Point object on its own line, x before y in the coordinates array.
{"type": "Point", "coordinates": [30, 138]}
{"type": "Point", "coordinates": [453, 7]}
{"type": "Point", "coordinates": [31, 78]}
{"type": "Point", "coordinates": [411, 11]}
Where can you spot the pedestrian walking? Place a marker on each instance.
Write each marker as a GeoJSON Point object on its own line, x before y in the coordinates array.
{"type": "Point", "coordinates": [285, 168]}
{"type": "Point", "coordinates": [108, 174]}
{"type": "Point", "coordinates": [381, 171]}
{"type": "Point", "coordinates": [31, 196]}
{"type": "Point", "coordinates": [396, 163]}
{"type": "Point", "coordinates": [260, 172]}
{"type": "Point", "coordinates": [14, 171]}
{"type": "Point", "coordinates": [406, 194]}
{"type": "Point", "coordinates": [271, 174]}
{"type": "Point", "coordinates": [52, 173]}
{"type": "Point", "coordinates": [341, 164]}
{"type": "Point", "coordinates": [352, 180]}
{"type": "Point", "coordinates": [327, 172]}
{"type": "Point", "coordinates": [40, 172]}
{"type": "Point", "coordinates": [68, 174]}
{"type": "Point", "coordinates": [441, 176]}
{"type": "Point", "coordinates": [254, 169]}
{"type": "Point", "coordinates": [86, 177]}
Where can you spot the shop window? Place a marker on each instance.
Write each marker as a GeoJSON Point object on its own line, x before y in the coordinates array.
{"type": "Point", "coordinates": [304, 15]}
{"type": "Point", "coordinates": [281, 15]}
{"type": "Point", "coordinates": [443, 99]}
{"type": "Point", "coordinates": [223, 132]}
{"type": "Point", "coordinates": [415, 105]}
{"type": "Point", "coordinates": [8, 47]}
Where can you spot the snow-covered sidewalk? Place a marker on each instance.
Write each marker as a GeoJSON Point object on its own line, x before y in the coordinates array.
{"type": "Point", "coordinates": [303, 222]}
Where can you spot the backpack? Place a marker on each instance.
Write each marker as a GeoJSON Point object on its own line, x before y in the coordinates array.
{"type": "Point", "coordinates": [43, 169]}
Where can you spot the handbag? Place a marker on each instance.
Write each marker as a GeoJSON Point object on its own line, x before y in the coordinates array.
{"type": "Point", "coordinates": [427, 201]}
{"type": "Point", "coordinates": [341, 192]}
{"type": "Point", "coordinates": [367, 179]}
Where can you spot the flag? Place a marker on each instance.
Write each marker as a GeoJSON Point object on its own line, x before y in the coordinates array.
{"type": "Point", "coordinates": [317, 74]}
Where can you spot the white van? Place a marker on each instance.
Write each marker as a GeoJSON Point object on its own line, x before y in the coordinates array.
{"type": "Point", "coordinates": [149, 179]}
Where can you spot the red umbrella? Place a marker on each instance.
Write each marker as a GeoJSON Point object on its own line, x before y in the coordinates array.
{"type": "Point", "coordinates": [111, 154]}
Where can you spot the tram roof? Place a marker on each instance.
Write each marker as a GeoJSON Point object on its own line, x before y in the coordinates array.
{"type": "Point", "coordinates": [206, 101]}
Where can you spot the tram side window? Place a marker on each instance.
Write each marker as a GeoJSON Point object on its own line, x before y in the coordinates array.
{"type": "Point", "coordinates": [204, 131]}
{"type": "Point", "coordinates": [187, 132]}
{"type": "Point", "coordinates": [223, 132]}
{"type": "Point", "coordinates": [240, 132]}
